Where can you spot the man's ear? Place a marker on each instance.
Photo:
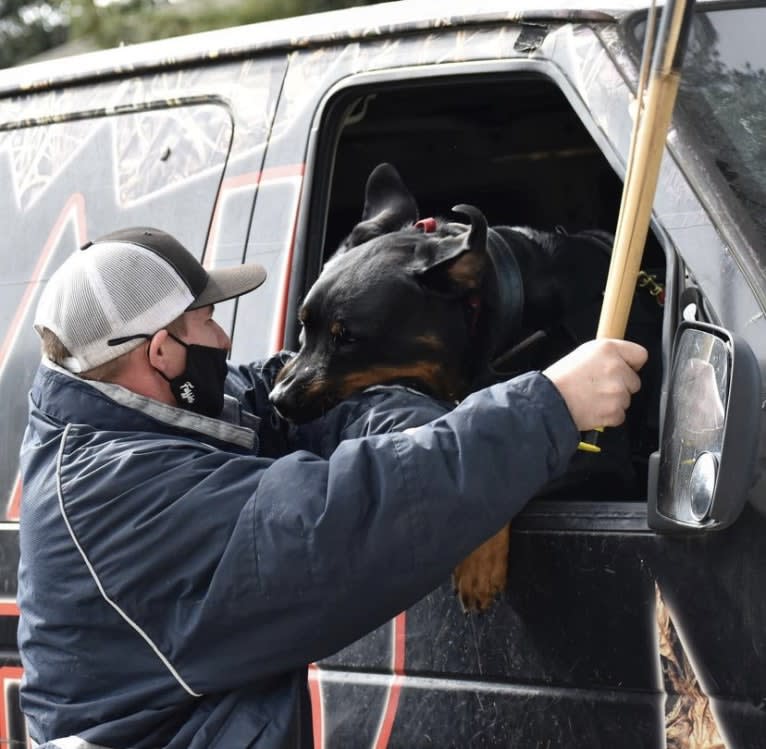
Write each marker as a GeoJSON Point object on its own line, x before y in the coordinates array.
{"type": "Point", "coordinates": [454, 263]}
{"type": "Point", "coordinates": [388, 206]}
{"type": "Point", "coordinates": [163, 355]}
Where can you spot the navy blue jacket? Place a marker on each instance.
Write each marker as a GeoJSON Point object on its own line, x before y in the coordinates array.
{"type": "Point", "coordinates": [174, 583]}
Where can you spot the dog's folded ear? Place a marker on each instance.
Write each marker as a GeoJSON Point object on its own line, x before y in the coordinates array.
{"type": "Point", "coordinates": [455, 263]}
{"type": "Point", "coordinates": [388, 206]}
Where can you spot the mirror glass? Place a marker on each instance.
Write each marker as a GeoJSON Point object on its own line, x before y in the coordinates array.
{"type": "Point", "coordinates": [694, 427]}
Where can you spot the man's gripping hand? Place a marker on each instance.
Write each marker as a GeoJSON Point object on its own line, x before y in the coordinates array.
{"type": "Point", "coordinates": [597, 380]}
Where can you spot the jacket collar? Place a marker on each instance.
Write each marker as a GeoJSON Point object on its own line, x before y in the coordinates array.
{"type": "Point", "coordinates": [91, 407]}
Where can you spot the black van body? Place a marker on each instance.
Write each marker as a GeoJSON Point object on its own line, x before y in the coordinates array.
{"type": "Point", "coordinates": [621, 625]}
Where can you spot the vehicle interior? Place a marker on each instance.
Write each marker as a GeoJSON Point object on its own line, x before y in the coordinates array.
{"type": "Point", "coordinates": [514, 147]}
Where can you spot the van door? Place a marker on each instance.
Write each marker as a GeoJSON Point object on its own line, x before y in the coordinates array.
{"type": "Point", "coordinates": [608, 634]}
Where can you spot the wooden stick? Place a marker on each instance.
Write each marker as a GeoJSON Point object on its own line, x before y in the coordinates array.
{"type": "Point", "coordinates": [646, 60]}
{"type": "Point", "coordinates": [647, 146]}
{"type": "Point", "coordinates": [650, 134]}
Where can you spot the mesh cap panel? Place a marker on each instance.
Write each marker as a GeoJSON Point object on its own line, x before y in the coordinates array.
{"type": "Point", "coordinates": [110, 290]}
{"type": "Point", "coordinates": [93, 323]}
{"type": "Point", "coordinates": [134, 286]}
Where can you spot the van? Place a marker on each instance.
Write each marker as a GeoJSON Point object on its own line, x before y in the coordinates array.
{"type": "Point", "coordinates": [634, 615]}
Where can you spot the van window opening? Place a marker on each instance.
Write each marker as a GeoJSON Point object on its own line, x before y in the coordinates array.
{"type": "Point", "coordinates": [516, 149]}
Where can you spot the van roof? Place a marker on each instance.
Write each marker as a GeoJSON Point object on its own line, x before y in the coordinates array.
{"type": "Point", "coordinates": [333, 27]}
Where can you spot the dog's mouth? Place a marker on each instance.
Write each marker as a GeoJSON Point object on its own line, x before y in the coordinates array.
{"type": "Point", "coordinates": [299, 398]}
{"type": "Point", "coordinates": [303, 415]}
{"type": "Point", "coordinates": [302, 411]}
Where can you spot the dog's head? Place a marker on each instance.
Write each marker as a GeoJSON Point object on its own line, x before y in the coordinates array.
{"type": "Point", "coordinates": [401, 301]}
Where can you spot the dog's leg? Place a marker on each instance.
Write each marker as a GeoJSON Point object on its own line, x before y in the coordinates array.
{"type": "Point", "coordinates": [482, 574]}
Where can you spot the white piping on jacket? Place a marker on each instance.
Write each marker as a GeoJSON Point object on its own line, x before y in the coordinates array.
{"type": "Point", "coordinates": [92, 571]}
{"type": "Point", "coordinates": [68, 742]}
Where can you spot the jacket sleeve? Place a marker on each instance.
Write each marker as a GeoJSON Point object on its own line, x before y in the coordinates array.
{"type": "Point", "coordinates": [292, 559]}
{"type": "Point", "coordinates": [251, 384]}
{"type": "Point", "coordinates": [377, 410]}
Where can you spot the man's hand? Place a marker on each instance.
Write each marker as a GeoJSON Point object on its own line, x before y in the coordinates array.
{"type": "Point", "coordinates": [597, 380]}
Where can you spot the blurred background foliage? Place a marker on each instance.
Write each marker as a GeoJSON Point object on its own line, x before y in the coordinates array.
{"type": "Point", "coordinates": [39, 29]}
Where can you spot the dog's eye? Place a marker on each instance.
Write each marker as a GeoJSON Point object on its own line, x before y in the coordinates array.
{"type": "Point", "coordinates": [340, 334]}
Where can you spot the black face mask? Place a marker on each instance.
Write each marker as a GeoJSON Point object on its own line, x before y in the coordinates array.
{"type": "Point", "coordinates": [199, 387]}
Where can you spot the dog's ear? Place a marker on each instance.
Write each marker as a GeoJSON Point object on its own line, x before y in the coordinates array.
{"type": "Point", "coordinates": [455, 263]}
{"type": "Point", "coordinates": [388, 206]}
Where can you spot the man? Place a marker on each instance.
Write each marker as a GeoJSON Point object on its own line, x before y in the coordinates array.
{"type": "Point", "coordinates": [174, 583]}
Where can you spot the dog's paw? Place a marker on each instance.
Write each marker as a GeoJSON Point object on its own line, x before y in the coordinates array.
{"type": "Point", "coordinates": [481, 576]}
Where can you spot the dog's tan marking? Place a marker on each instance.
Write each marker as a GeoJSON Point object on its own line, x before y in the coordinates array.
{"type": "Point", "coordinates": [430, 341]}
{"type": "Point", "coordinates": [283, 373]}
{"type": "Point", "coordinates": [467, 270]}
{"type": "Point", "coordinates": [430, 373]}
{"type": "Point", "coordinates": [336, 328]}
{"type": "Point", "coordinates": [481, 576]}
{"type": "Point", "coordinates": [316, 387]}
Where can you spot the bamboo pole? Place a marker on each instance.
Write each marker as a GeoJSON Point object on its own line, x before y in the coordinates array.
{"type": "Point", "coordinates": [653, 118]}
{"type": "Point", "coordinates": [654, 110]}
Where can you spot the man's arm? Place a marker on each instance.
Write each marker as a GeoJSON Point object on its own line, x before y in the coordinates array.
{"type": "Point", "coordinates": [257, 567]}
{"type": "Point", "coordinates": [269, 565]}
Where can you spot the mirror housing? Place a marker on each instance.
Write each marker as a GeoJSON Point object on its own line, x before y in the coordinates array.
{"type": "Point", "coordinates": [700, 477]}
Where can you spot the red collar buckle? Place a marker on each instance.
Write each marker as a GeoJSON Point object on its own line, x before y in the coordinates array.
{"type": "Point", "coordinates": [428, 225]}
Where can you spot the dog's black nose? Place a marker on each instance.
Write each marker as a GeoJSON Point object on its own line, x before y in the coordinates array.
{"type": "Point", "coordinates": [280, 396]}
{"type": "Point", "coordinates": [295, 394]}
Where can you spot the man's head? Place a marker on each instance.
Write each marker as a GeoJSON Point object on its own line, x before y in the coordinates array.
{"type": "Point", "coordinates": [136, 287]}
{"type": "Point", "coordinates": [126, 285]}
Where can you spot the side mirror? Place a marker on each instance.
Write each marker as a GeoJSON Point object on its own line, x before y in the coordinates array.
{"type": "Point", "coordinates": [705, 466]}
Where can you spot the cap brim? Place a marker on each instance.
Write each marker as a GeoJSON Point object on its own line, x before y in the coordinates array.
{"type": "Point", "coordinates": [227, 283]}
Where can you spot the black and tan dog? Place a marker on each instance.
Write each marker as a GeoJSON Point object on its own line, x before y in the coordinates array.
{"type": "Point", "coordinates": [435, 305]}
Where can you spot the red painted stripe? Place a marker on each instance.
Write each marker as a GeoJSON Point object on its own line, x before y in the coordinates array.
{"type": "Point", "coordinates": [11, 673]}
{"type": "Point", "coordinates": [74, 206]}
{"type": "Point", "coordinates": [395, 688]}
{"type": "Point", "coordinates": [230, 184]}
{"type": "Point", "coordinates": [9, 608]}
{"type": "Point", "coordinates": [13, 510]}
{"type": "Point", "coordinates": [270, 174]}
{"type": "Point", "coordinates": [317, 712]}
{"type": "Point", "coordinates": [279, 336]}
{"type": "Point", "coordinates": [227, 186]}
